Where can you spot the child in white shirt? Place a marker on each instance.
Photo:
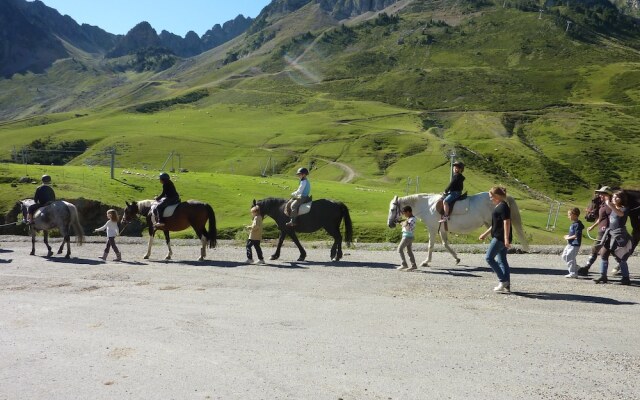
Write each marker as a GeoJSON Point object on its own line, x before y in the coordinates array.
{"type": "Point", "coordinates": [112, 231]}
{"type": "Point", "coordinates": [408, 226]}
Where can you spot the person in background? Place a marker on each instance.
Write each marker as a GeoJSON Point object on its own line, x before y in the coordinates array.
{"type": "Point", "coordinates": [255, 236]}
{"type": "Point", "coordinates": [501, 237]}
{"type": "Point", "coordinates": [44, 194]}
{"type": "Point", "coordinates": [616, 238]}
{"type": "Point", "coordinates": [454, 190]}
{"type": "Point", "coordinates": [112, 231]}
{"type": "Point", "coordinates": [574, 240]}
{"type": "Point", "coordinates": [408, 226]}
{"type": "Point", "coordinates": [602, 223]}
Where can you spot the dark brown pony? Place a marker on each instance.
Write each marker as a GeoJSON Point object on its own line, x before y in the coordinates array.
{"type": "Point", "coordinates": [190, 213]}
{"type": "Point", "coordinates": [324, 214]}
{"type": "Point", "coordinates": [633, 207]}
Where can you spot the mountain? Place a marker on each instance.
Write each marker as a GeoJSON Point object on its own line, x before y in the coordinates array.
{"type": "Point", "coordinates": [33, 36]}
{"type": "Point", "coordinates": [525, 97]}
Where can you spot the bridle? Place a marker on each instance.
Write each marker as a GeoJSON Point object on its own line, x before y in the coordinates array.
{"type": "Point", "coordinates": [396, 210]}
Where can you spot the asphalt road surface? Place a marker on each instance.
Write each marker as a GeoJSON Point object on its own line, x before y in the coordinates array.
{"type": "Point", "coordinates": [219, 329]}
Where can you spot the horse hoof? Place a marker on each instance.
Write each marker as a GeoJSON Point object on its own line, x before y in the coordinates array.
{"type": "Point", "coordinates": [457, 261]}
{"type": "Point", "coordinates": [49, 254]}
{"type": "Point", "coordinates": [424, 264]}
{"type": "Point", "coordinates": [167, 258]}
{"type": "Point", "coordinates": [201, 259]}
{"type": "Point", "coordinates": [33, 253]}
{"type": "Point", "coordinates": [67, 256]}
{"type": "Point", "coordinates": [336, 259]}
{"type": "Point", "coordinates": [301, 258]}
{"type": "Point", "coordinates": [273, 258]}
{"type": "Point", "coordinates": [146, 257]}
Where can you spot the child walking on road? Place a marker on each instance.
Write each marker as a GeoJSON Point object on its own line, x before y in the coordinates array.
{"type": "Point", "coordinates": [408, 226]}
{"type": "Point", "coordinates": [112, 231]}
{"type": "Point", "coordinates": [574, 240]}
{"type": "Point", "coordinates": [255, 236]}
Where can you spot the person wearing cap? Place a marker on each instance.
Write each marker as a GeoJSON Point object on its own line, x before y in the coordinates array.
{"type": "Point", "coordinates": [454, 190]}
{"type": "Point", "coordinates": [44, 194]}
{"type": "Point", "coordinates": [602, 223]}
{"type": "Point", "coordinates": [616, 239]}
{"type": "Point", "coordinates": [300, 196]}
{"type": "Point", "coordinates": [169, 196]}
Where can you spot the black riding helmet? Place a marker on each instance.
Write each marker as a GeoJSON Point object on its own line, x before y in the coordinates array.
{"type": "Point", "coordinates": [46, 179]}
{"type": "Point", "coordinates": [459, 164]}
{"type": "Point", "coordinates": [302, 171]}
{"type": "Point", "coordinates": [164, 177]}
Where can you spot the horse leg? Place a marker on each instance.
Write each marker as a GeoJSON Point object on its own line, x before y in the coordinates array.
{"type": "Point", "coordinates": [202, 234]}
{"type": "Point", "coordinates": [276, 255]}
{"type": "Point", "coordinates": [303, 253]}
{"type": "Point", "coordinates": [68, 240]}
{"type": "Point", "coordinates": [33, 242]}
{"type": "Point", "coordinates": [445, 242]}
{"type": "Point", "coordinates": [152, 233]}
{"type": "Point", "coordinates": [336, 249]}
{"type": "Point", "coordinates": [64, 240]}
{"type": "Point", "coordinates": [46, 242]}
{"type": "Point", "coordinates": [168, 241]}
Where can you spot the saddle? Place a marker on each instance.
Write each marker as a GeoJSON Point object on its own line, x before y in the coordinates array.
{"type": "Point", "coordinates": [303, 209]}
{"type": "Point", "coordinates": [464, 207]}
{"type": "Point", "coordinates": [167, 212]}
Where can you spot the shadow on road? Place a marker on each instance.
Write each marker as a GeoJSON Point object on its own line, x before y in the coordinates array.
{"type": "Point", "coordinates": [573, 297]}
{"type": "Point", "coordinates": [3, 261]}
{"type": "Point", "coordinates": [78, 261]}
{"type": "Point", "coordinates": [349, 264]}
{"type": "Point", "coordinates": [2, 251]}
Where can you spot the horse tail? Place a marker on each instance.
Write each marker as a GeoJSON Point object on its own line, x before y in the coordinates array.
{"type": "Point", "coordinates": [75, 222]}
{"type": "Point", "coordinates": [348, 227]}
{"type": "Point", "coordinates": [516, 222]}
{"type": "Point", "coordinates": [213, 232]}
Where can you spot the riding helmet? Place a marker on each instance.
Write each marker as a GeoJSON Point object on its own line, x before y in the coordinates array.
{"type": "Point", "coordinates": [302, 171]}
{"type": "Point", "coordinates": [164, 176]}
{"type": "Point", "coordinates": [458, 164]}
{"type": "Point", "coordinates": [46, 179]}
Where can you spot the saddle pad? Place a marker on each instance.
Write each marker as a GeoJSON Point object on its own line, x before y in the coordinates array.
{"type": "Point", "coordinates": [169, 210]}
{"type": "Point", "coordinates": [304, 209]}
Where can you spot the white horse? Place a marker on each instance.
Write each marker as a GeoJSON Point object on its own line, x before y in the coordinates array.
{"type": "Point", "coordinates": [468, 215]}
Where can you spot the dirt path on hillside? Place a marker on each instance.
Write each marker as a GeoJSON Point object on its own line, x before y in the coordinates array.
{"type": "Point", "coordinates": [358, 329]}
{"type": "Point", "coordinates": [350, 173]}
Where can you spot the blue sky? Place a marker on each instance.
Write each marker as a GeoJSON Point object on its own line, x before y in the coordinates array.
{"type": "Point", "coordinates": [176, 16]}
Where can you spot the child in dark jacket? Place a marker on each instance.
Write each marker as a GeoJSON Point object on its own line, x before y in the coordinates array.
{"type": "Point", "coordinates": [574, 240]}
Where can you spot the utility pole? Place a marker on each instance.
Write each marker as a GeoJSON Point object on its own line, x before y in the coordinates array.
{"type": "Point", "coordinates": [452, 155]}
{"type": "Point", "coordinates": [113, 162]}
{"type": "Point", "coordinates": [568, 25]}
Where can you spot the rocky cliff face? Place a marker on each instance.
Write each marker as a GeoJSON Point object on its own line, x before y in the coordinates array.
{"type": "Point", "coordinates": [339, 9]}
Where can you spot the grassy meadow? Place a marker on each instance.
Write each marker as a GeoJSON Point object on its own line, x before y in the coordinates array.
{"type": "Point", "coordinates": [548, 113]}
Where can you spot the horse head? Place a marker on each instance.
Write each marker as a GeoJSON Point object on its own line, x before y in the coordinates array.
{"type": "Point", "coordinates": [591, 212]}
{"type": "Point", "coordinates": [394, 212]}
{"type": "Point", "coordinates": [130, 212]}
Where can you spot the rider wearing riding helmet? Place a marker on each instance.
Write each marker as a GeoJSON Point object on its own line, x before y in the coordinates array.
{"type": "Point", "coordinates": [44, 194]}
{"type": "Point", "coordinates": [169, 196]}
{"type": "Point", "coordinates": [300, 196]}
{"type": "Point", "coordinates": [454, 190]}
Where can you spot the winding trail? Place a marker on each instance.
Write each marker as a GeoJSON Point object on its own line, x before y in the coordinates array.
{"type": "Point", "coordinates": [350, 173]}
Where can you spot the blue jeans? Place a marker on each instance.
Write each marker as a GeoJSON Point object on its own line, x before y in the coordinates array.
{"type": "Point", "coordinates": [452, 196]}
{"type": "Point", "coordinates": [497, 259]}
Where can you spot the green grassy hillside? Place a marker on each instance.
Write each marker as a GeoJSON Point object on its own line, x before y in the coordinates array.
{"type": "Point", "coordinates": [374, 101]}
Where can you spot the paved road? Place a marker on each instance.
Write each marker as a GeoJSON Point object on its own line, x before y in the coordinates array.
{"type": "Point", "coordinates": [81, 328]}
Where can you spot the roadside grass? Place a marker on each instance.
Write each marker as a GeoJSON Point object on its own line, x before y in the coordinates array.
{"type": "Point", "coordinates": [231, 197]}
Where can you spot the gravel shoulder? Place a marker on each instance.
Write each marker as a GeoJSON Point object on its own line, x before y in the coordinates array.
{"type": "Point", "coordinates": [358, 329]}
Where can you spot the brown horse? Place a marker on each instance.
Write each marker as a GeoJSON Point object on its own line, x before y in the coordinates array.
{"type": "Point", "coordinates": [190, 213]}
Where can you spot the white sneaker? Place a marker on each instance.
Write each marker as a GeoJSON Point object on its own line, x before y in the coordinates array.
{"type": "Point", "coordinates": [260, 262]}
{"type": "Point", "coordinates": [616, 271]}
{"type": "Point", "coordinates": [248, 261]}
{"type": "Point", "coordinates": [402, 266]}
{"type": "Point", "coordinates": [503, 287]}
{"type": "Point", "coordinates": [571, 275]}
{"type": "Point", "coordinates": [412, 267]}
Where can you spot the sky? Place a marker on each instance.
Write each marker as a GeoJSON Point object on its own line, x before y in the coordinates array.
{"type": "Point", "coordinates": [175, 16]}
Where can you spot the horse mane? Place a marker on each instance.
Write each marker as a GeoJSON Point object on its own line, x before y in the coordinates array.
{"type": "Point", "coordinates": [270, 202]}
{"type": "Point", "coordinates": [144, 206]}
